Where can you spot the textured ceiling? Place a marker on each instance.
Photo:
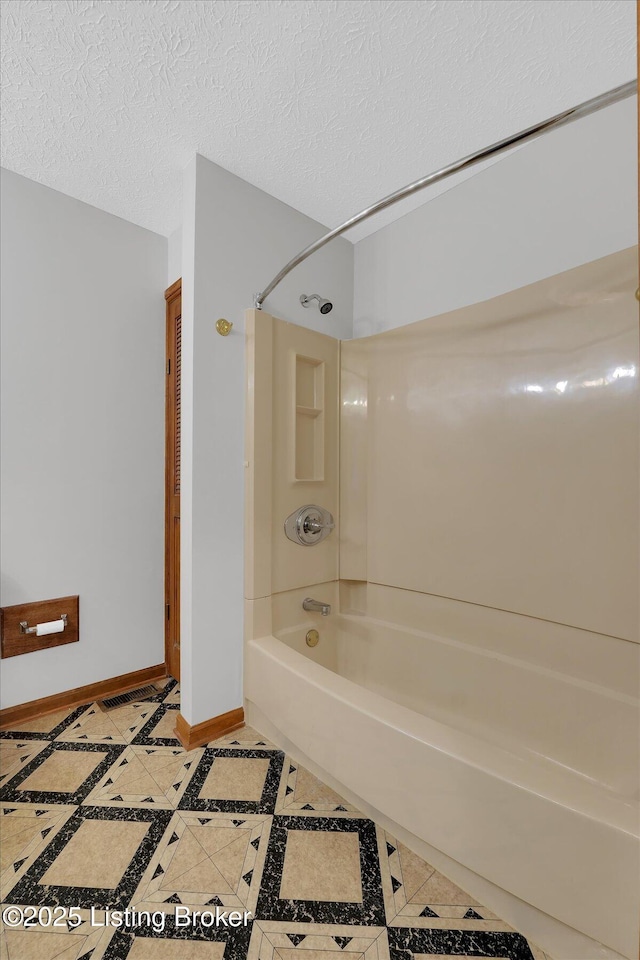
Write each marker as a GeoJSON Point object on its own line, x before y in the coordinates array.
{"type": "Point", "coordinates": [326, 104]}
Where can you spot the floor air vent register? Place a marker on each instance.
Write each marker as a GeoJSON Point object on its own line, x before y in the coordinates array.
{"type": "Point", "coordinates": [142, 693]}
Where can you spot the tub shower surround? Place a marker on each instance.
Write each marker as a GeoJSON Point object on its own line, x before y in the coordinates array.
{"type": "Point", "coordinates": [482, 472]}
{"type": "Point", "coordinates": [106, 810]}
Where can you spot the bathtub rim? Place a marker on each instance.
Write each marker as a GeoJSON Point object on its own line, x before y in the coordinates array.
{"type": "Point", "coordinates": [360, 619]}
{"type": "Point", "coordinates": [588, 800]}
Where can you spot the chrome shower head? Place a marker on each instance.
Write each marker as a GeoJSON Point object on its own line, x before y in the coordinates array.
{"type": "Point", "coordinates": [325, 305]}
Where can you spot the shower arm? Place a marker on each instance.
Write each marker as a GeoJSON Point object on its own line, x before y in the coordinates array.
{"type": "Point", "coordinates": [559, 120]}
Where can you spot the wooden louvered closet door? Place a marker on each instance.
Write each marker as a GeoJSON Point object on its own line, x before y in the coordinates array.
{"type": "Point", "coordinates": [173, 297]}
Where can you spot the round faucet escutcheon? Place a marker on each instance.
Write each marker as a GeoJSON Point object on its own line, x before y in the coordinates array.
{"type": "Point", "coordinates": [309, 525]}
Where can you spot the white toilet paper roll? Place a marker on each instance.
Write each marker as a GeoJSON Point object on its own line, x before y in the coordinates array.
{"type": "Point", "coordinates": [52, 626]}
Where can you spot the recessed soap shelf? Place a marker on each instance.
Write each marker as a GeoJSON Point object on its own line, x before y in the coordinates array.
{"type": "Point", "coordinates": [309, 419]}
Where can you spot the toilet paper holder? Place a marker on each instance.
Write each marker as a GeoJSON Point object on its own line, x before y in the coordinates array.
{"type": "Point", "coordinates": [26, 629]}
{"type": "Point", "coordinates": [39, 625]}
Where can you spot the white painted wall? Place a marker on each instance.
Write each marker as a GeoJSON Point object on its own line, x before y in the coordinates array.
{"type": "Point", "coordinates": [82, 433]}
{"type": "Point", "coordinates": [235, 238]}
{"type": "Point", "coordinates": [563, 200]}
{"type": "Point", "coordinates": [174, 256]}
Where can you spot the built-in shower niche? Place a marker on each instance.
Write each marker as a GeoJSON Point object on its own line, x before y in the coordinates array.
{"type": "Point", "coordinates": [309, 436]}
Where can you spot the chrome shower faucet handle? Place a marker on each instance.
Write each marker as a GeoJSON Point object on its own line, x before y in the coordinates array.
{"type": "Point", "coordinates": [309, 525]}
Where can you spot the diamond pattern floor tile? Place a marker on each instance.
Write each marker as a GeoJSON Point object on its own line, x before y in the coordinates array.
{"type": "Point", "coordinates": [103, 809]}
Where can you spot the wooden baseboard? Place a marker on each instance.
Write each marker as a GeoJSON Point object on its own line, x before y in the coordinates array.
{"type": "Point", "coordinates": [10, 717]}
{"type": "Point", "coordinates": [191, 737]}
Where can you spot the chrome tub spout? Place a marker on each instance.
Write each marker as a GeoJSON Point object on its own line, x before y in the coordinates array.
{"type": "Point", "coordinates": [316, 606]}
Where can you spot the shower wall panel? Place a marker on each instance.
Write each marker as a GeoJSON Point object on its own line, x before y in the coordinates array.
{"type": "Point", "coordinates": [292, 424]}
{"type": "Point", "coordinates": [490, 455]}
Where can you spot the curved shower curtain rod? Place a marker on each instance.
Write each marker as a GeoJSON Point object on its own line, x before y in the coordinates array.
{"type": "Point", "coordinates": [559, 120]}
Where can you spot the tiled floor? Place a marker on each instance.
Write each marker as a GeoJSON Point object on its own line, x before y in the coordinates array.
{"type": "Point", "coordinates": [105, 811]}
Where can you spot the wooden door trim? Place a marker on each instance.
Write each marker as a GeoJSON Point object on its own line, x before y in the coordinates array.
{"type": "Point", "coordinates": [174, 290]}
{"type": "Point", "coordinates": [171, 294]}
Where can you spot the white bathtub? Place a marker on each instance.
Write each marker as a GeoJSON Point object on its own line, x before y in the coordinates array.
{"type": "Point", "coordinates": [522, 774]}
